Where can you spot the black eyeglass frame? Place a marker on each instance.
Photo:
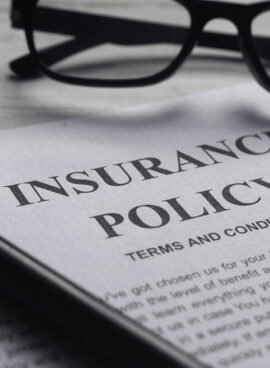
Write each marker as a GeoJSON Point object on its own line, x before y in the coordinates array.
{"type": "Point", "coordinates": [201, 12]}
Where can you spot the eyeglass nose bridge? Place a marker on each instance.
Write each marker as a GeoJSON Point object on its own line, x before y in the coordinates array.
{"type": "Point", "coordinates": [240, 16]}
{"type": "Point", "coordinates": [234, 13]}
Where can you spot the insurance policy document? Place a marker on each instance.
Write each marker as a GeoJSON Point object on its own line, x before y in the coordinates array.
{"type": "Point", "coordinates": [162, 211]}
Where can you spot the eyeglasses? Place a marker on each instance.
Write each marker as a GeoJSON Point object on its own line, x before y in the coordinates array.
{"type": "Point", "coordinates": [128, 43]}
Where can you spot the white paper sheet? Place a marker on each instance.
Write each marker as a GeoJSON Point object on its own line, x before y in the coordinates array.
{"type": "Point", "coordinates": [201, 282]}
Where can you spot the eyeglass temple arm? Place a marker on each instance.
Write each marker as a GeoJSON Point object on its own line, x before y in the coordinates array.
{"type": "Point", "coordinates": [89, 30]}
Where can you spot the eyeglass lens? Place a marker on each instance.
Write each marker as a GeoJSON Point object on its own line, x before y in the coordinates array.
{"type": "Point", "coordinates": [113, 39]}
{"type": "Point", "coordinates": [261, 38]}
